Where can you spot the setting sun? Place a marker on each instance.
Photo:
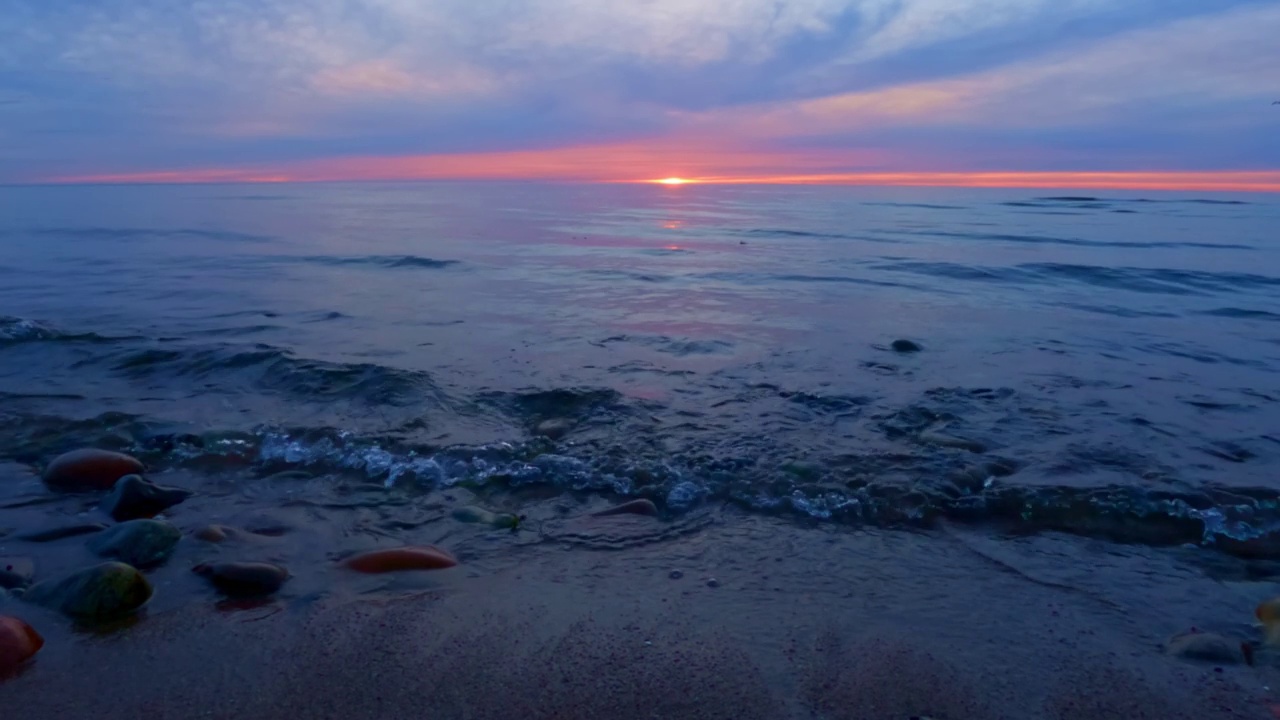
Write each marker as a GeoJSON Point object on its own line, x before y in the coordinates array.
{"type": "Point", "coordinates": [673, 181]}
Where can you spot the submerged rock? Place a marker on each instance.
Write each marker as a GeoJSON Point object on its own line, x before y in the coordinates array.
{"type": "Point", "coordinates": [215, 533]}
{"type": "Point", "coordinates": [103, 592]}
{"type": "Point", "coordinates": [905, 346]}
{"type": "Point", "coordinates": [553, 429]}
{"type": "Point", "coordinates": [141, 543]}
{"type": "Point", "coordinates": [1205, 647]}
{"type": "Point", "coordinates": [90, 469]}
{"type": "Point", "coordinates": [244, 579]}
{"type": "Point", "coordinates": [473, 514]}
{"type": "Point", "coordinates": [634, 507]}
{"type": "Point", "coordinates": [19, 642]}
{"type": "Point", "coordinates": [60, 533]}
{"type": "Point", "coordinates": [134, 498]}
{"type": "Point", "coordinates": [404, 558]}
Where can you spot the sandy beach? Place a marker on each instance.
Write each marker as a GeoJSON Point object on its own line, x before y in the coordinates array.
{"type": "Point", "coordinates": [720, 614]}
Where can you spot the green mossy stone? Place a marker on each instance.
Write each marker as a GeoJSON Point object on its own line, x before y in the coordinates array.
{"type": "Point", "coordinates": [104, 592]}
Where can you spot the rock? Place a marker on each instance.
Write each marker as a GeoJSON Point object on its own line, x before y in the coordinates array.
{"type": "Point", "coordinates": [103, 592]}
{"type": "Point", "coordinates": [1205, 647]}
{"type": "Point", "coordinates": [89, 469]}
{"type": "Point", "coordinates": [140, 543]}
{"type": "Point", "coordinates": [905, 346]}
{"type": "Point", "coordinates": [397, 559]}
{"type": "Point", "coordinates": [61, 532]}
{"type": "Point", "coordinates": [16, 573]}
{"type": "Point", "coordinates": [134, 498]}
{"type": "Point", "coordinates": [244, 579]}
{"type": "Point", "coordinates": [634, 507]}
{"type": "Point", "coordinates": [675, 574]}
{"type": "Point", "coordinates": [553, 429]}
{"type": "Point", "coordinates": [19, 642]}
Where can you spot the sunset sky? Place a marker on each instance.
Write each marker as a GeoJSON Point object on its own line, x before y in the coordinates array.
{"type": "Point", "coordinates": [1070, 93]}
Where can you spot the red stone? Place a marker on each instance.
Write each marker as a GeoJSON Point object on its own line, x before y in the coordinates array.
{"type": "Point", "coordinates": [90, 469]}
{"type": "Point", "coordinates": [18, 643]}
{"type": "Point", "coordinates": [404, 558]}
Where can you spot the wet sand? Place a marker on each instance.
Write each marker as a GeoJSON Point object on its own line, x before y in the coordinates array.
{"type": "Point", "coordinates": [718, 615]}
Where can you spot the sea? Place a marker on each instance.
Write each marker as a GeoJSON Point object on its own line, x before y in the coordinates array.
{"type": "Point", "coordinates": [1098, 363]}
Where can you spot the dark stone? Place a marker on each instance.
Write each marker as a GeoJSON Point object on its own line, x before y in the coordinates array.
{"type": "Point", "coordinates": [675, 575]}
{"type": "Point", "coordinates": [141, 543]}
{"type": "Point", "coordinates": [1205, 647]}
{"type": "Point", "coordinates": [89, 469]}
{"type": "Point", "coordinates": [16, 573]}
{"type": "Point", "coordinates": [713, 583]}
{"type": "Point", "coordinates": [105, 592]}
{"type": "Point", "coordinates": [60, 533]}
{"type": "Point", "coordinates": [134, 498]}
{"type": "Point", "coordinates": [905, 346]}
{"type": "Point", "coordinates": [243, 579]}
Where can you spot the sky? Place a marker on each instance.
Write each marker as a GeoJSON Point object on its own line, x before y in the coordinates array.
{"type": "Point", "coordinates": [1055, 93]}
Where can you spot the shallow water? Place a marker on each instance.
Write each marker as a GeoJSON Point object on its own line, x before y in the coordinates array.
{"type": "Point", "coordinates": [1105, 365]}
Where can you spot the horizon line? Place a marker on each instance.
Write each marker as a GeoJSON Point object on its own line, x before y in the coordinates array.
{"type": "Point", "coordinates": [1252, 181]}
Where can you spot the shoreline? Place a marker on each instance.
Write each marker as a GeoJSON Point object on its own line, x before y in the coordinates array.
{"type": "Point", "coordinates": [749, 614]}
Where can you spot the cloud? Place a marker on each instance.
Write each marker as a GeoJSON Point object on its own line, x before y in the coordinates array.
{"type": "Point", "coordinates": [1205, 72]}
{"type": "Point", "coordinates": [128, 85]}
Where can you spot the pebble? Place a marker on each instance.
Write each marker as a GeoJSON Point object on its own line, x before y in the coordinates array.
{"type": "Point", "coordinates": [19, 642]}
{"type": "Point", "coordinates": [103, 592]}
{"type": "Point", "coordinates": [405, 558]}
{"type": "Point", "coordinates": [634, 507]}
{"type": "Point", "coordinates": [134, 498]}
{"type": "Point", "coordinates": [140, 543]}
{"type": "Point", "coordinates": [905, 346]}
{"type": "Point", "coordinates": [675, 575]}
{"type": "Point", "coordinates": [1205, 647]}
{"type": "Point", "coordinates": [89, 469]}
{"type": "Point", "coordinates": [61, 532]}
{"type": "Point", "coordinates": [244, 579]}
{"type": "Point", "coordinates": [713, 583]}
{"type": "Point", "coordinates": [553, 429]}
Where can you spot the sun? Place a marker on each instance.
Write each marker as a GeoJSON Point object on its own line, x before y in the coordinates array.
{"type": "Point", "coordinates": [673, 181]}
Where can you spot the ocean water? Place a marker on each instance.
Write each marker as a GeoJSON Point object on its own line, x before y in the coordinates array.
{"type": "Point", "coordinates": [1101, 363]}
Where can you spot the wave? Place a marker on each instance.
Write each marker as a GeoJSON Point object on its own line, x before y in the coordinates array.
{"type": "Point", "coordinates": [1165, 281]}
{"type": "Point", "coordinates": [1072, 242]}
{"type": "Point", "coordinates": [1243, 314]}
{"type": "Point", "coordinates": [1091, 199]}
{"type": "Point", "coordinates": [277, 371]}
{"type": "Point", "coordinates": [782, 232]}
{"type": "Point", "coordinates": [1243, 522]}
{"type": "Point", "coordinates": [383, 261]}
{"type": "Point", "coordinates": [127, 234]}
{"type": "Point", "coordinates": [22, 330]}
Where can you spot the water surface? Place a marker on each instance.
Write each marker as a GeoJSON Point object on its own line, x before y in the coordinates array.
{"type": "Point", "coordinates": [1103, 364]}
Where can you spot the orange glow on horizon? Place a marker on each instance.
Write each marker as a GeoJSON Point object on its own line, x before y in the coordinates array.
{"type": "Point", "coordinates": [703, 163]}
